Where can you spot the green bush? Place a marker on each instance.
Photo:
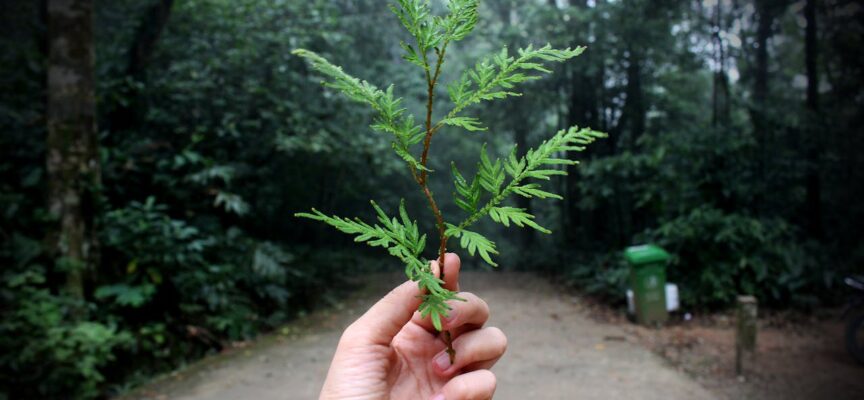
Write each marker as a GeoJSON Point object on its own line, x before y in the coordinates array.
{"type": "Point", "coordinates": [169, 291]}
{"type": "Point", "coordinates": [224, 282]}
{"type": "Point", "coordinates": [603, 276]}
{"type": "Point", "coordinates": [718, 256]}
{"type": "Point", "coordinates": [46, 351]}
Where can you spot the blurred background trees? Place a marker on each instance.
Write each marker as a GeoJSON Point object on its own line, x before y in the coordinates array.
{"type": "Point", "coordinates": [146, 197]}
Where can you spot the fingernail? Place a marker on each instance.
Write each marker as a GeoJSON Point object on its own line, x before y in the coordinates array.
{"type": "Point", "coordinates": [443, 361]}
{"type": "Point", "coordinates": [439, 397]}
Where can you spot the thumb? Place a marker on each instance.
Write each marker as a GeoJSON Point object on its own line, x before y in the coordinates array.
{"type": "Point", "coordinates": [386, 318]}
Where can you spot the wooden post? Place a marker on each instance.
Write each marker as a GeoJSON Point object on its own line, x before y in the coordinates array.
{"type": "Point", "coordinates": [745, 339]}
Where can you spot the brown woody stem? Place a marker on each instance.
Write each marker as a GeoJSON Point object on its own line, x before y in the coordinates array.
{"type": "Point", "coordinates": [423, 177]}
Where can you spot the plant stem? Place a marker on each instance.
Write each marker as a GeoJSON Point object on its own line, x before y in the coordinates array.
{"type": "Point", "coordinates": [430, 130]}
{"type": "Point", "coordinates": [423, 179]}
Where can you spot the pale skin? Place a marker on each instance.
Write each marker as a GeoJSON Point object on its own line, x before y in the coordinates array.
{"type": "Point", "coordinates": [391, 353]}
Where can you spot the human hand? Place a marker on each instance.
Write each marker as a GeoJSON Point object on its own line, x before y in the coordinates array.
{"type": "Point", "coordinates": [392, 353]}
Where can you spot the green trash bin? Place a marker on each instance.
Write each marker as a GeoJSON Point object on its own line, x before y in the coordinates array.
{"type": "Point", "coordinates": [648, 282]}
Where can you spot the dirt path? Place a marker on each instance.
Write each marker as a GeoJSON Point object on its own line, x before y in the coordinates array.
{"type": "Point", "coordinates": [555, 352]}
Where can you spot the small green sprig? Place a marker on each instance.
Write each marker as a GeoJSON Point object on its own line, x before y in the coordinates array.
{"type": "Point", "coordinates": [493, 78]}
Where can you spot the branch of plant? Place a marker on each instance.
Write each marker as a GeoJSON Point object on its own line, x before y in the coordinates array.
{"type": "Point", "coordinates": [494, 201]}
{"type": "Point", "coordinates": [431, 81]}
{"type": "Point", "coordinates": [480, 92]}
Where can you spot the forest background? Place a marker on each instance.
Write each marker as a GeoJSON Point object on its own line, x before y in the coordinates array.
{"type": "Point", "coordinates": [159, 228]}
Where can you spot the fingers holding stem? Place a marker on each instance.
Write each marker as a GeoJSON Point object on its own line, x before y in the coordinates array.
{"type": "Point", "coordinates": [479, 349]}
{"type": "Point", "coordinates": [450, 275]}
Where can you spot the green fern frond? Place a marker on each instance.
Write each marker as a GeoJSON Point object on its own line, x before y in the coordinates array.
{"type": "Point", "coordinates": [462, 19]}
{"type": "Point", "coordinates": [468, 123]}
{"type": "Point", "coordinates": [495, 77]}
{"type": "Point", "coordinates": [401, 238]}
{"type": "Point", "coordinates": [390, 118]}
{"type": "Point", "coordinates": [474, 243]}
{"type": "Point", "coordinates": [432, 32]}
{"type": "Point", "coordinates": [351, 87]}
{"type": "Point", "coordinates": [504, 215]}
{"type": "Point", "coordinates": [491, 174]}
{"type": "Point", "coordinates": [467, 195]}
{"type": "Point", "coordinates": [435, 307]}
{"type": "Point", "coordinates": [492, 78]}
{"type": "Point", "coordinates": [537, 163]}
{"type": "Point", "coordinates": [416, 17]}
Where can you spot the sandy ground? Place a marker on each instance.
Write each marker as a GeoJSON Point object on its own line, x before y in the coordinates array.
{"type": "Point", "coordinates": [555, 352]}
{"type": "Point", "coordinates": [794, 360]}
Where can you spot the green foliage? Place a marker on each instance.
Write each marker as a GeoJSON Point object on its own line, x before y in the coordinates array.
{"type": "Point", "coordinates": [229, 132]}
{"type": "Point", "coordinates": [493, 78]}
{"type": "Point", "coordinates": [537, 163]}
{"type": "Point", "coordinates": [691, 196]}
{"type": "Point", "coordinates": [390, 114]}
{"type": "Point", "coordinates": [716, 257]}
{"type": "Point", "coordinates": [44, 348]}
{"type": "Point", "coordinates": [125, 295]}
{"type": "Point", "coordinates": [432, 32]}
{"type": "Point", "coordinates": [401, 238]}
{"type": "Point", "coordinates": [467, 123]}
{"type": "Point", "coordinates": [403, 241]}
{"type": "Point", "coordinates": [604, 276]}
{"type": "Point", "coordinates": [504, 215]}
{"type": "Point", "coordinates": [719, 256]}
{"type": "Point", "coordinates": [474, 242]}
{"type": "Point", "coordinates": [461, 20]}
{"type": "Point", "coordinates": [214, 277]}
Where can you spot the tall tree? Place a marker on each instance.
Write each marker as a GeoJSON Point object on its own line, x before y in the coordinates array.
{"type": "Point", "coordinates": [72, 145]}
{"type": "Point", "coordinates": [508, 13]}
{"type": "Point", "coordinates": [147, 35]}
{"type": "Point", "coordinates": [813, 184]}
{"type": "Point", "coordinates": [720, 98]}
{"type": "Point", "coordinates": [765, 15]}
{"type": "Point", "coordinates": [765, 19]}
{"type": "Point", "coordinates": [141, 51]}
{"type": "Point", "coordinates": [633, 113]}
{"type": "Point", "coordinates": [585, 80]}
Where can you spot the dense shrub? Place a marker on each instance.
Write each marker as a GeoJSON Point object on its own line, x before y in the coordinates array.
{"type": "Point", "coordinates": [604, 276]}
{"type": "Point", "coordinates": [169, 291]}
{"type": "Point", "coordinates": [212, 283]}
{"type": "Point", "coordinates": [718, 256]}
{"type": "Point", "coordinates": [45, 351]}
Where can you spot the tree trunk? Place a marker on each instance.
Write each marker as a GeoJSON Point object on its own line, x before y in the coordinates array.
{"type": "Point", "coordinates": [147, 35]}
{"type": "Point", "coordinates": [72, 144]}
{"type": "Point", "coordinates": [761, 129]}
{"type": "Point", "coordinates": [763, 33]}
{"type": "Point", "coordinates": [582, 111]}
{"type": "Point", "coordinates": [765, 19]}
{"type": "Point", "coordinates": [141, 51]}
{"type": "Point", "coordinates": [720, 98]}
{"type": "Point", "coordinates": [633, 114]}
{"type": "Point", "coordinates": [813, 184]}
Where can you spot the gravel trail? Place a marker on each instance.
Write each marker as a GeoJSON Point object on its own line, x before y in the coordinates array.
{"type": "Point", "coordinates": [555, 352]}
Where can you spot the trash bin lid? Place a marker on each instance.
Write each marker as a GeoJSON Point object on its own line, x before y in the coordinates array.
{"type": "Point", "coordinates": [645, 254]}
